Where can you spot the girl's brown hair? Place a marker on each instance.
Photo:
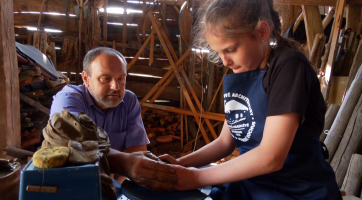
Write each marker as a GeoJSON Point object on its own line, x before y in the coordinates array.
{"type": "Point", "coordinates": [232, 18]}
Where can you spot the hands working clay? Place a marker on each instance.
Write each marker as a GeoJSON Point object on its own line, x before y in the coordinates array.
{"type": "Point", "coordinates": [143, 168]}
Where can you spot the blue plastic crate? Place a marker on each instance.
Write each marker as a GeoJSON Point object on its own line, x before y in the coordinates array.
{"type": "Point", "coordinates": [70, 182]}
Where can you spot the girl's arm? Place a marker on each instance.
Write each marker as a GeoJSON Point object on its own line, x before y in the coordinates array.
{"type": "Point", "coordinates": [268, 157]}
{"type": "Point", "coordinates": [219, 148]}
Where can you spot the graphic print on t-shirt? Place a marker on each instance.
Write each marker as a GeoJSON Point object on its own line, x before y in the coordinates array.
{"type": "Point", "coordinates": [239, 116]}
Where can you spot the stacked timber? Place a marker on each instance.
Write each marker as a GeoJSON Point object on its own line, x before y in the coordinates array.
{"type": "Point", "coordinates": [36, 91]}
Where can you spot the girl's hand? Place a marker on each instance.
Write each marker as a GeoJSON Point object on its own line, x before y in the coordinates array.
{"type": "Point", "coordinates": [187, 178]}
{"type": "Point", "coordinates": [168, 159]}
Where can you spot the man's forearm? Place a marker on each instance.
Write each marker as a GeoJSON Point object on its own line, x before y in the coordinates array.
{"type": "Point", "coordinates": [117, 161]}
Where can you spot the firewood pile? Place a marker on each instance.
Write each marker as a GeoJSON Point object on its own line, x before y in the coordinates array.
{"type": "Point", "coordinates": [36, 91]}
{"type": "Point", "coordinates": [164, 132]}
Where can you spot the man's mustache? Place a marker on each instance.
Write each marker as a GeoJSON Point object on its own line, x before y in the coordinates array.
{"type": "Point", "coordinates": [113, 92]}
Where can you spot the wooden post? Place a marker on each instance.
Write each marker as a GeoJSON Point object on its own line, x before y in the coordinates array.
{"type": "Point", "coordinates": [41, 11]}
{"type": "Point", "coordinates": [144, 8]}
{"type": "Point", "coordinates": [210, 84]}
{"type": "Point", "coordinates": [80, 41]}
{"type": "Point", "coordinates": [333, 50]}
{"type": "Point", "coordinates": [182, 121]}
{"type": "Point", "coordinates": [313, 24]}
{"type": "Point", "coordinates": [353, 16]}
{"type": "Point", "coordinates": [350, 144]}
{"type": "Point", "coordinates": [124, 36]}
{"type": "Point", "coordinates": [165, 41]}
{"type": "Point", "coordinates": [181, 98]}
{"type": "Point", "coordinates": [353, 179]}
{"type": "Point", "coordinates": [105, 20]}
{"type": "Point", "coordinates": [340, 123]}
{"type": "Point", "coordinates": [329, 118]}
{"type": "Point", "coordinates": [152, 45]}
{"type": "Point", "coordinates": [29, 41]}
{"type": "Point", "coordinates": [316, 52]}
{"type": "Point", "coordinates": [9, 81]}
{"type": "Point", "coordinates": [53, 55]}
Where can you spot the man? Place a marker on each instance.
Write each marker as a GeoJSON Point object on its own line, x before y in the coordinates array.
{"type": "Point", "coordinates": [103, 98]}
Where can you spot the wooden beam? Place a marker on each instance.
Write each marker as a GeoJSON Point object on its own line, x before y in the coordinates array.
{"type": "Point", "coordinates": [315, 2]}
{"type": "Point", "coordinates": [297, 22]}
{"type": "Point", "coordinates": [41, 11]}
{"type": "Point", "coordinates": [152, 45]}
{"type": "Point", "coordinates": [105, 20]}
{"type": "Point", "coordinates": [313, 24]}
{"type": "Point", "coordinates": [135, 58]}
{"type": "Point", "coordinates": [9, 81]}
{"type": "Point", "coordinates": [35, 5]}
{"type": "Point", "coordinates": [328, 18]}
{"type": "Point", "coordinates": [333, 48]}
{"type": "Point", "coordinates": [124, 35]}
{"type": "Point", "coordinates": [207, 115]}
{"type": "Point", "coordinates": [353, 16]}
{"type": "Point", "coordinates": [179, 78]}
{"type": "Point", "coordinates": [141, 89]}
{"type": "Point", "coordinates": [166, 77]}
{"type": "Point", "coordinates": [77, 77]}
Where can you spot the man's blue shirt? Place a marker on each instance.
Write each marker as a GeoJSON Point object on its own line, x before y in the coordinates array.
{"type": "Point", "coordinates": [123, 123]}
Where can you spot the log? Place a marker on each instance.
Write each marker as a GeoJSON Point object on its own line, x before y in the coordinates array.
{"type": "Point", "coordinates": [162, 130]}
{"type": "Point", "coordinates": [329, 118]}
{"type": "Point", "coordinates": [350, 144]}
{"type": "Point", "coordinates": [357, 61]}
{"type": "Point", "coordinates": [164, 139]}
{"type": "Point", "coordinates": [353, 179]}
{"type": "Point", "coordinates": [340, 123]}
{"type": "Point", "coordinates": [18, 153]}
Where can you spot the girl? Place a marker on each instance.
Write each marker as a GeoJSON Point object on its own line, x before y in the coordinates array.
{"type": "Point", "coordinates": [274, 111]}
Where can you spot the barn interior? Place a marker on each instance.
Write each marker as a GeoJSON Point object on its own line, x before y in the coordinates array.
{"type": "Point", "coordinates": [179, 89]}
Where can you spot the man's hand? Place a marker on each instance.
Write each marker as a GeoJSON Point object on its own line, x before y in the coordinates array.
{"type": "Point", "coordinates": [143, 169]}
